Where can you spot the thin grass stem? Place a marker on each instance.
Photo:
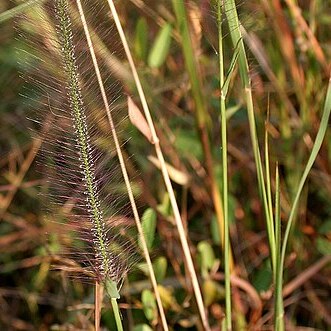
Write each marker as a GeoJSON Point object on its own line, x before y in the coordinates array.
{"type": "Point", "coordinates": [97, 305]}
{"type": "Point", "coordinates": [237, 41]}
{"type": "Point", "coordinates": [117, 314]}
{"type": "Point", "coordinates": [279, 308]}
{"type": "Point", "coordinates": [227, 271]}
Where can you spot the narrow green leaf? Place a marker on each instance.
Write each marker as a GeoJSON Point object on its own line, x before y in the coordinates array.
{"type": "Point", "coordinates": [160, 48]}
{"type": "Point", "coordinates": [317, 145]}
{"type": "Point", "coordinates": [323, 246]}
{"type": "Point", "coordinates": [149, 226]}
{"type": "Point", "coordinates": [229, 74]}
{"type": "Point", "coordinates": [142, 327]}
{"type": "Point", "coordinates": [160, 266]}
{"type": "Point", "coordinates": [140, 40]}
{"type": "Point", "coordinates": [207, 256]}
{"type": "Point", "coordinates": [149, 305]}
{"type": "Point", "coordinates": [11, 13]}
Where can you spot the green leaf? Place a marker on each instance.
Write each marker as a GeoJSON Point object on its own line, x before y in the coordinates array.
{"type": "Point", "coordinates": [233, 63]}
{"type": "Point", "coordinates": [142, 327]}
{"type": "Point", "coordinates": [168, 299]}
{"type": "Point", "coordinates": [262, 279]}
{"type": "Point", "coordinates": [148, 221]}
{"type": "Point", "coordinates": [215, 234]}
{"type": "Point", "coordinates": [323, 246]}
{"type": "Point", "coordinates": [149, 305]}
{"type": "Point", "coordinates": [161, 46]}
{"type": "Point", "coordinates": [160, 268]}
{"type": "Point", "coordinates": [11, 13]}
{"type": "Point", "coordinates": [207, 256]}
{"type": "Point", "coordinates": [111, 289]}
{"type": "Point", "coordinates": [325, 228]}
{"type": "Point", "coordinates": [140, 40]}
{"type": "Point", "coordinates": [210, 292]}
{"type": "Point", "coordinates": [190, 138]}
{"type": "Point", "coordinates": [313, 155]}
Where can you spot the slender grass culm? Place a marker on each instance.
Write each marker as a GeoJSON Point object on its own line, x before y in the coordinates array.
{"type": "Point", "coordinates": [226, 230]}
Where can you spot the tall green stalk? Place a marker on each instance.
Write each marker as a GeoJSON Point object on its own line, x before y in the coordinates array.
{"type": "Point", "coordinates": [264, 182]}
{"type": "Point", "coordinates": [237, 41]}
{"type": "Point", "coordinates": [228, 314]}
{"type": "Point", "coordinates": [117, 315]}
{"type": "Point", "coordinates": [202, 116]}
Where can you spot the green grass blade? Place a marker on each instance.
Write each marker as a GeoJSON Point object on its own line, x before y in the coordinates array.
{"type": "Point", "coordinates": [11, 13]}
{"type": "Point", "coordinates": [225, 85]}
{"type": "Point", "coordinates": [226, 230]}
{"type": "Point", "coordinates": [117, 314]}
{"type": "Point", "coordinates": [317, 145]}
{"type": "Point", "coordinates": [190, 61]}
{"type": "Point", "coordinates": [267, 173]}
{"type": "Point", "coordinates": [279, 309]}
{"type": "Point", "coordinates": [237, 41]}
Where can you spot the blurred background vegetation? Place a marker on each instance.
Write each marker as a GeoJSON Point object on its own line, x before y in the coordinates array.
{"type": "Point", "coordinates": [289, 52]}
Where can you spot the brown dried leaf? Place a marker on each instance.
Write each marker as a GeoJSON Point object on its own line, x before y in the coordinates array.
{"type": "Point", "coordinates": [138, 120]}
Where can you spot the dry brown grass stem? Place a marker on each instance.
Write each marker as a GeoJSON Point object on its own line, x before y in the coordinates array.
{"type": "Point", "coordinates": [97, 305]}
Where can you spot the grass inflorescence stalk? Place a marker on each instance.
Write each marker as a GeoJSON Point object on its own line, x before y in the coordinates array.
{"type": "Point", "coordinates": [226, 231]}
{"type": "Point", "coordinates": [237, 41]}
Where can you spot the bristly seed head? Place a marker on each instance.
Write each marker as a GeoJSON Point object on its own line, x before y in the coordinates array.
{"type": "Point", "coordinates": [107, 265]}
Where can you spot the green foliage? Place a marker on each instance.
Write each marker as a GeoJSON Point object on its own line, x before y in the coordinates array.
{"type": "Point", "coordinates": [160, 48]}
{"type": "Point", "coordinates": [142, 327]}
{"type": "Point", "coordinates": [149, 226]}
{"type": "Point", "coordinates": [323, 246]}
{"type": "Point", "coordinates": [160, 266]}
{"type": "Point", "coordinates": [207, 257]}
{"type": "Point", "coordinates": [141, 39]}
{"type": "Point", "coordinates": [149, 305]}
